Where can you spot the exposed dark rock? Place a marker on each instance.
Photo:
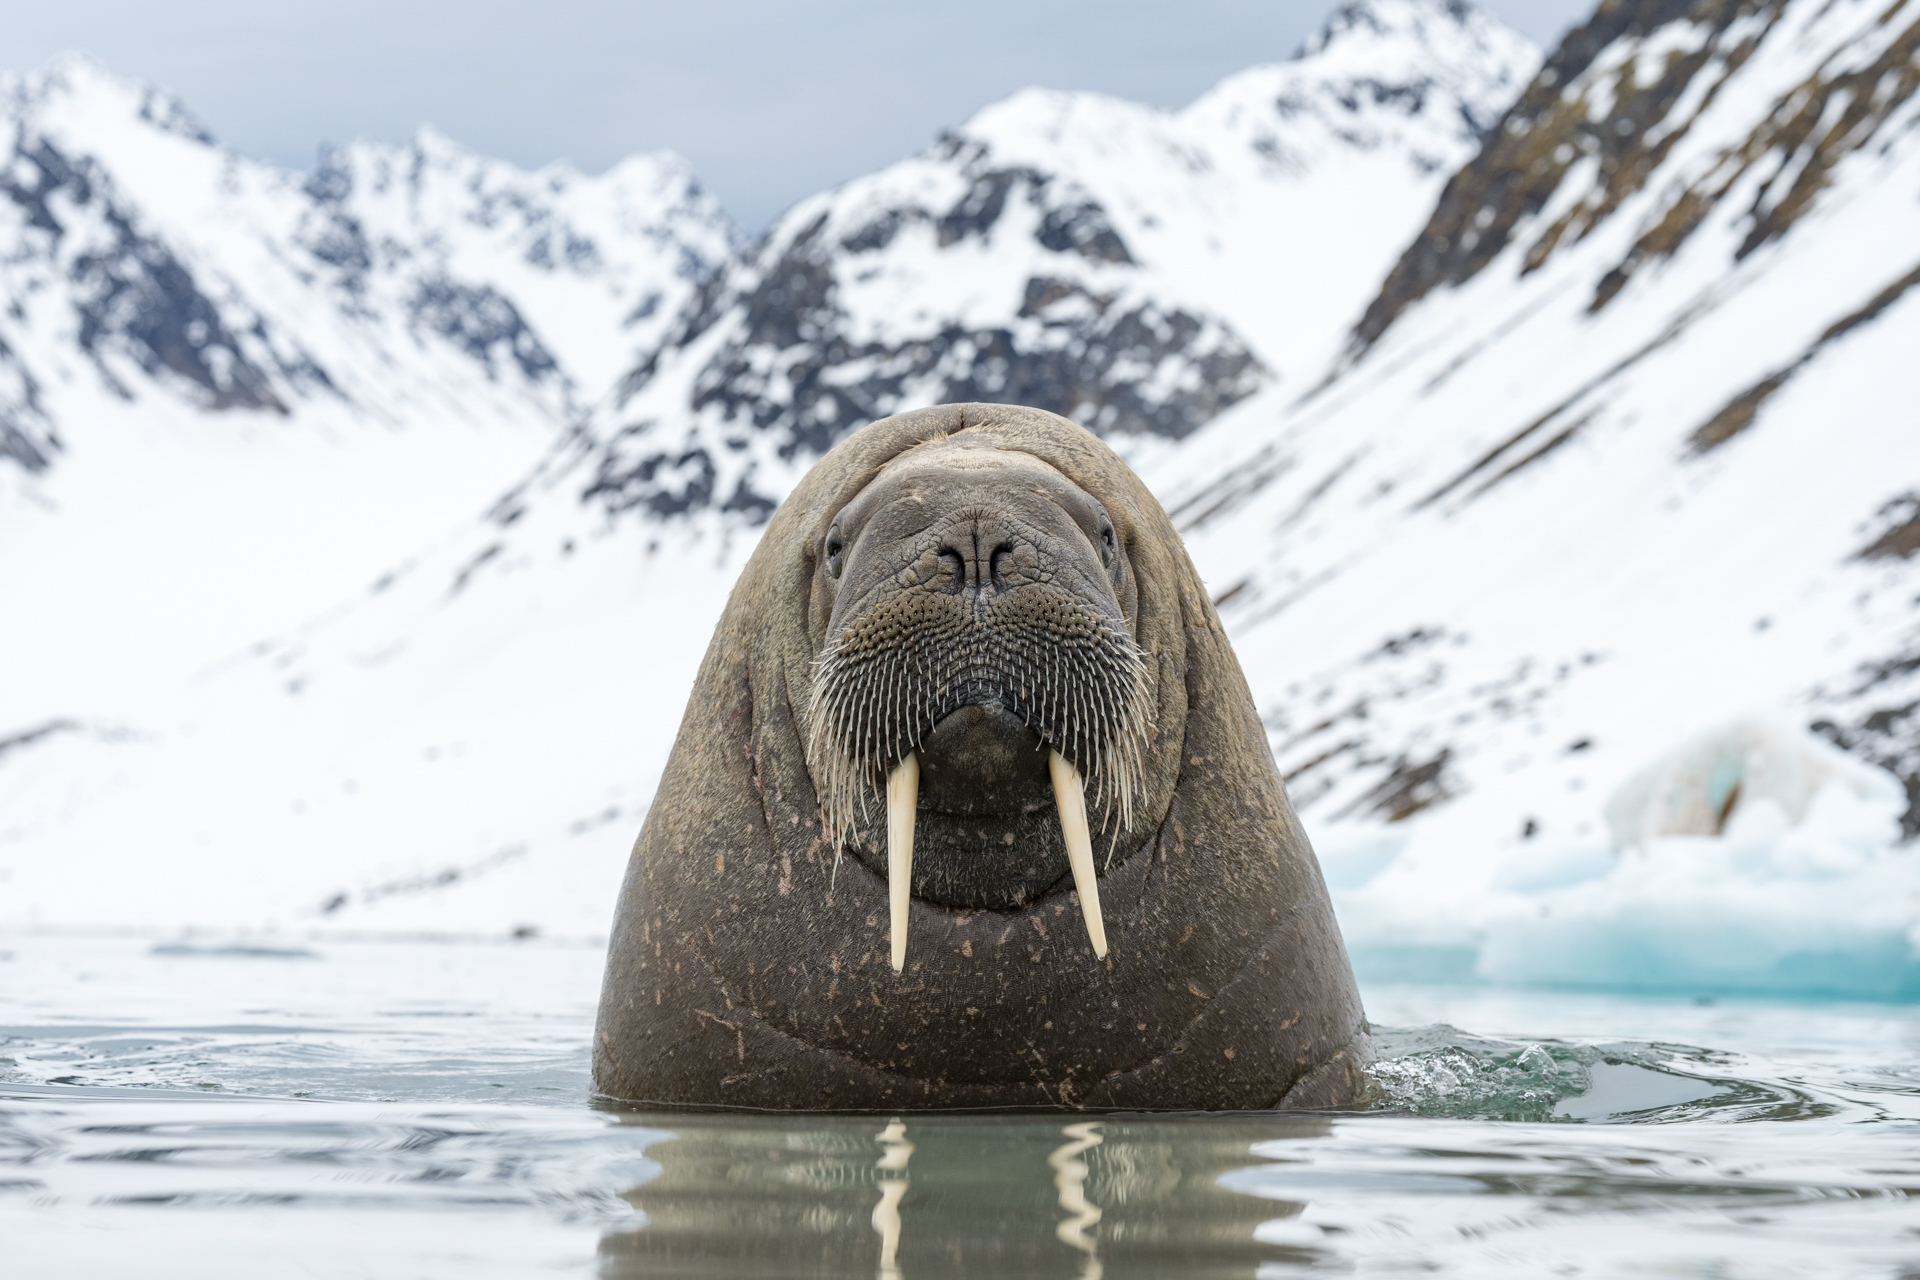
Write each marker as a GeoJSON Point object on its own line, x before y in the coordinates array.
{"type": "Point", "coordinates": [170, 115]}
{"type": "Point", "coordinates": [1529, 152]}
{"type": "Point", "coordinates": [479, 561]}
{"type": "Point", "coordinates": [137, 294]}
{"type": "Point", "coordinates": [1875, 714]}
{"type": "Point", "coordinates": [1888, 736]}
{"type": "Point", "coordinates": [1407, 789]}
{"type": "Point", "coordinates": [331, 181]}
{"type": "Point", "coordinates": [980, 208]}
{"type": "Point", "coordinates": [482, 322]}
{"type": "Point", "coordinates": [1501, 461]}
{"type": "Point", "coordinates": [1900, 536]}
{"type": "Point", "coordinates": [793, 380]}
{"type": "Point", "coordinates": [1069, 222]}
{"type": "Point", "coordinates": [427, 882]}
{"type": "Point", "coordinates": [340, 242]}
{"type": "Point", "coordinates": [39, 733]}
{"type": "Point", "coordinates": [1543, 135]}
{"type": "Point", "coordinates": [22, 449]}
{"type": "Point", "coordinates": [652, 480]}
{"type": "Point", "coordinates": [1830, 116]}
{"type": "Point", "coordinates": [329, 232]}
{"type": "Point", "coordinates": [1412, 642]}
{"type": "Point", "coordinates": [757, 506]}
{"type": "Point", "coordinates": [875, 235]}
{"type": "Point", "coordinates": [790, 368]}
{"type": "Point", "coordinates": [1739, 413]}
{"type": "Point", "coordinates": [27, 436]}
{"type": "Point", "coordinates": [1083, 229]}
{"type": "Point", "coordinates": [786, 371]}
{"type": "Point", "coordinates": [132, 295]}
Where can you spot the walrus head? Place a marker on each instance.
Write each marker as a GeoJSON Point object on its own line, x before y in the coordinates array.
{"type": "Point", "coordinates": [978, 665]}
{"type": "Point", "coordinates": [970, 682]}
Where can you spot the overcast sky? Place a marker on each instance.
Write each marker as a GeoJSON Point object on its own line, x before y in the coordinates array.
{"type": "Point", "coordinates": [770, 101]}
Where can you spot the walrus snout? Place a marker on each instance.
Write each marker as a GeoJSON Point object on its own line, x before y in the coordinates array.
{"type": "Point", "coordinates": [979, 671]}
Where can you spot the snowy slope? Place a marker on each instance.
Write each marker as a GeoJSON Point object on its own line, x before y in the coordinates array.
{"type": "Point", "coordinates": [1616, 476]}
{"type": "Point", "coordinates": [231, 394]}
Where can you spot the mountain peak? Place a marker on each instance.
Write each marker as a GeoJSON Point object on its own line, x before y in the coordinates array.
{"type": "Point", "coordinates": [1368, 20]}
{"type": "Point", "coordinates": [77, 78]}
{"type": "Point", "coordinates": [1385, 39]}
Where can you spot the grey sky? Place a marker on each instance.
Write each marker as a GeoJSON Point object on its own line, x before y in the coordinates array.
{"type": "Point", "coordinates": [769, 101]}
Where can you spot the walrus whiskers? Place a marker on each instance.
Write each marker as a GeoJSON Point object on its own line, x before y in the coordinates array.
{"type": "Point", "coordinates": [1091, 698]}
{"type": "Point", "coordinates": [1071, 798]}
{"type": "Point", "coordinates": [882, 685]}
{"type": "Point", "coordinates": [903, 800]}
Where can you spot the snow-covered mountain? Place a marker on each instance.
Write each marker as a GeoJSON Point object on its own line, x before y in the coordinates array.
{"type": "Point", "coordinates": [229, 393]}
{"type": "Point", "coordinates": [385, 276]}
{"type": "Point", "coordinates": [1555, 486]}
{"type": "Point", "coordinates": [499, 706]}
{"type": "Point", "coordinates": [1135, 269]}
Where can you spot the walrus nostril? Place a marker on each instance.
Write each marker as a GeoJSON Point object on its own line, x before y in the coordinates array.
{"type": "Point", "coordinates": [957, 567]}
{"type": "Point", "coordinates": [973, 567]}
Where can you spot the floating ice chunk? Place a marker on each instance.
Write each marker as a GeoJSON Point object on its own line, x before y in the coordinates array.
{"type": "Point", "coordinates": [1698, 788]}
{"type": "Point", "coordinates": [1752, 858]}
{"type": "Point", "coordinates": [1801, 893]}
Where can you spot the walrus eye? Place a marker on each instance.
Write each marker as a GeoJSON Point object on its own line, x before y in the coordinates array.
{"type": "Point", "coordinates": [835, 548]}
{"type": "Point", "coordinates": [1106, 545]}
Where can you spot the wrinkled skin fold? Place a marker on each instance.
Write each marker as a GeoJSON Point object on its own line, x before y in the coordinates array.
{"type": "Point", "coordinates": [965, 622]}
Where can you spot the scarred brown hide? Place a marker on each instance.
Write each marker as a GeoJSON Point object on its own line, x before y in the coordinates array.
{"type": "Point", "coordinates": [749, 963]}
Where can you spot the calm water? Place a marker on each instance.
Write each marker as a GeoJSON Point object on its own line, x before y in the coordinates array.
{"type": "Point", "coordinates": [418, 1110]}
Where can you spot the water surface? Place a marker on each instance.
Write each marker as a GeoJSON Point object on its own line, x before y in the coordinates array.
{"type": "Point", "coordinates": [368, 1109]}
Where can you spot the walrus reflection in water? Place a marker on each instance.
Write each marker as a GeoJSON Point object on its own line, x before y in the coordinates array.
{"type": "Point", "coordinates": [971, 807]}
{"type": "Point", "coordinates": [1123, 1196]}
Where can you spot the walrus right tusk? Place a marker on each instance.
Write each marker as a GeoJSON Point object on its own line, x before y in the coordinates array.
{"type": "Point", "coordinates": [903, 800]}
{"type": "Point", "coordinates": [1069, 793]}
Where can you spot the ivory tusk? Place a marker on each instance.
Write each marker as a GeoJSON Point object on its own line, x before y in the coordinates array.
{"type": "Point", "coordinates": [1069, 793]}
{"type": "Point", "coordinates": [903, 799]}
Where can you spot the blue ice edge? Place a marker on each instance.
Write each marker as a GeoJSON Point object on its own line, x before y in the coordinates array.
{"type": "Point", "coordinates": [1878, 968]}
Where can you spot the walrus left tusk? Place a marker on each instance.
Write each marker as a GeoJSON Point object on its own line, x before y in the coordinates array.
{"type": "Point", "coordinates": [1069, 793]}
{"type": "Point", "coordinates": [903, 799]}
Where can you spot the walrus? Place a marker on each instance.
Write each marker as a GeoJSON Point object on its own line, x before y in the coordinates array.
{"type": "Point", "coordinates": [971, 807]}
